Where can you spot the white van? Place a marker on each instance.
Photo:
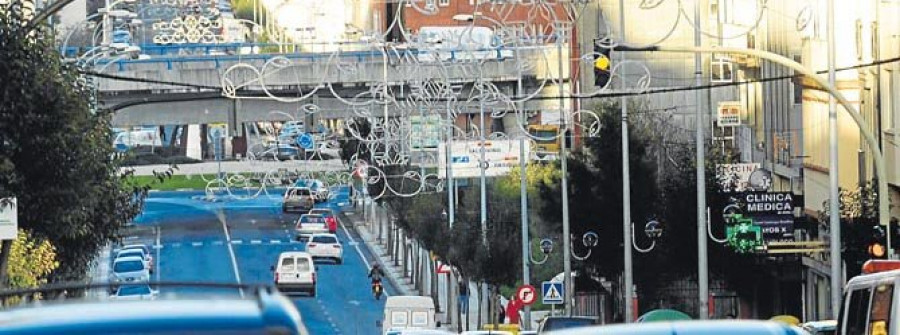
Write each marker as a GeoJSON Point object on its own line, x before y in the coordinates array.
{"type": "Point", "coordinates": [408, 312]}
{"type": "Point", "coordinates": [869, 298]}
{"type": "Point", "coordinates": [295, 273]}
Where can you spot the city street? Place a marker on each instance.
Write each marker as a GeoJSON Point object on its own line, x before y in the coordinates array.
{"type": "Point", "coordinates": [236, 241]}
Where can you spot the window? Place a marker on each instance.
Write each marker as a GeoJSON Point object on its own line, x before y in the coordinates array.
{"type": "Point", "coordinates": [302, 265]}
{"type": "Point", "coordinates": [721, 69]}
{"type": "Point", "coordinates": [880, 317]}
{"type": "Point", "coordinates": [325, 239]}
{"type": "Point", "coordinates": [287, 264]}
{"type": "Point", "coordinates": [398, 318]}
{"type": "Point", "coordinates": [420, 318]}
{"type": "Point", "coordinates": [444, 3]}
{"type": "Point", "coordinates": [856, 318]}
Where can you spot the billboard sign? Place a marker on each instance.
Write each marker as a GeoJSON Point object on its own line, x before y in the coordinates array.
{"type": "Point", "coordinates": [772, 212]}
{"type": "Point", "coordinates": [9, 218]}
{"type": "Point", "coordinates": [425, 132]}
{"type": "Point", "coordinates": [729, 114]}
{"type": "Point", "coordinates": [743, 177]}
{"type": "Point", "coordinates": [499, 155]}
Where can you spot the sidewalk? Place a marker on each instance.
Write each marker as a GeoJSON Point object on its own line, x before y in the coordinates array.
{"type": "Point", "coordinates": [382, 256]}
{"type": "Point", "coordinates": [395, 275]}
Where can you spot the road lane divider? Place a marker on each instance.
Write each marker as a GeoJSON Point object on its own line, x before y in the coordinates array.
{"type": "Point", "coordinates": [237, 275]}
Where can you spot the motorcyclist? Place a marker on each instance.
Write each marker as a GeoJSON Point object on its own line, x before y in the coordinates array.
{"type": "Point", "coordinates": [376, 273]}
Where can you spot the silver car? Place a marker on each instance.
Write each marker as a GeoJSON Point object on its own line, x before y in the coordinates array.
{"type": "Point", "coordinates": [128, 270]}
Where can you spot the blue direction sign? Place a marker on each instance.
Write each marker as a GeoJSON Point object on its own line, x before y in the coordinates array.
{"type": "Point", "coordinates": [460, 159]}
{"type": "Point", "coordinates": [553, 293]}
{"type": "Point", "coordinates": [305, 141]}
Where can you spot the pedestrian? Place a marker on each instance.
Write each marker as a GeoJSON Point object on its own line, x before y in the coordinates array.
{"type": "Point", "coordinates": [463, 295]}
{"type": "Point", "coordinates": [512, 310]}
{"type": "Point", "coordinates": [501, 313]}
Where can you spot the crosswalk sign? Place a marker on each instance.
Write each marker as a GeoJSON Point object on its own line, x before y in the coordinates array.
{"type": "Point", "coordinates": [553, 293]}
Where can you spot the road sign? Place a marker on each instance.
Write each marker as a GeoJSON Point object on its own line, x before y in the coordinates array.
{"type": "Point", "coordinates": [442, 268]}
{"type": "Point", "coordinates": [553, 293]}
{"type": "Point", "coordinates": [305, 141]}
{"type": "Point", "coordinates": [526, 294]}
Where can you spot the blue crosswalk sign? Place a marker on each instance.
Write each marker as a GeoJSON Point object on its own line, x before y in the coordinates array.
{"type": "Point", "coordinates": [553, 293]}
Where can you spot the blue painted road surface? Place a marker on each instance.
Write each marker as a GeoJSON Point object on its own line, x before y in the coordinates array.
{"type": "Point", "coordinates": [238, 240]}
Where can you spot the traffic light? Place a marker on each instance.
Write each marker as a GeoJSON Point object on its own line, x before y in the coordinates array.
{"type": "Point", "coordinates": [602, 65]}
{"type": "Point", "coordinates": [877, 248]}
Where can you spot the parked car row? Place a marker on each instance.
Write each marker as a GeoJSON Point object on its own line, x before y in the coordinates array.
{"type": "Point", "coordinates": [131, 269]}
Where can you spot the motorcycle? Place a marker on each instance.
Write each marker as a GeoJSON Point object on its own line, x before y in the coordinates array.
{"type": "Point", "coordinates": [377, 289]}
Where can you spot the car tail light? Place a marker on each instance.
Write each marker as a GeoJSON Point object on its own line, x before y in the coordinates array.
{"type": "Point", "coordinates": [337, 246]}
{"type": "Point", "coordinates": [314, 277]}
{"type": "Point", "coordinates": [276, 277]}
{"type": "Point", "coordinates": [311, 245]}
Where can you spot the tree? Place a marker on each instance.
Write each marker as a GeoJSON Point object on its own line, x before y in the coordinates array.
{"type": "Point", "coordinates": [56, 154]}
{"type": "Point", "coordinates": [595, 191]}
{"type": "Point", "coordinates": [30, 261]}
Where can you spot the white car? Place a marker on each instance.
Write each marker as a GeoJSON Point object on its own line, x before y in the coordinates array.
{"type": "Point", "coordinates": [128, 270]}
{"type": "Point", "coordinates": [325, 246]}
{"type": "Point", "coordinates": [135, 252]}
{"type": "Point", "coordinates": [295, 273]}
{"type": "Point", "coordinates": [135, 292]}
{"type": "Point", "coordinates": [309, 224]}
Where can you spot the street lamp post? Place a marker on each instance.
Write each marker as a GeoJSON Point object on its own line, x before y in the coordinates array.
{"type": "Point", "coordinates": [626, 192]}
{"type": "Point", "coordinates": [702, 263]}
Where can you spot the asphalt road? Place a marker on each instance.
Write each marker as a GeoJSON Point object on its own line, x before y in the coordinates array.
{"type": "Point", "coordinates": [239, 240]}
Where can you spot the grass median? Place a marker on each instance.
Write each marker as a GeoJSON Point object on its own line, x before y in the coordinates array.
{"type": "Point", "coordinates": [176, 182]}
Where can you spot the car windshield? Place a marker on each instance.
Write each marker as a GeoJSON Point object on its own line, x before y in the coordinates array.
{"type": "Point", "coordinates": [132, 253]}
{"type": "Point", "coordinates": [134, 290]}
{"type": "Point", "coordinates": [312, 219]}
{"type": "Point", "coordinates": [324, 239]}
{"type": "Point", "coordinates": [128, 266]}
{"type": "Point", "coordinates": [322, 212]}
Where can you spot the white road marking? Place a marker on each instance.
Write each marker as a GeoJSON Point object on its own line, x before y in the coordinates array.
{"type": "Point", "coordinates": [237, 242]}
{"type": "Point", "coordinates": [197, 244]}
{"type": "Point", "coordinates": [255, 241]}
{"type": "Point", "coordinates": [176, 244]}
{"type": "Point", "coordinates": [218, 243]}
{"type": "Point", "coordinates": [354, 244]}
{"type": "Point", "coordinates": [234, 265]}
{"type": "Point", "coordinates": [275, 241]}
{"type": "Point", "coordinates": [158, 244]}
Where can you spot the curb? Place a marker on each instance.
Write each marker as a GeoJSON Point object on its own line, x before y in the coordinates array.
{"type": "Point", "coordinates": [377, 257]}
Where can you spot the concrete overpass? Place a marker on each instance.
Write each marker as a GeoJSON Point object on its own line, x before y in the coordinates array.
{"type": "Point", "coordinates": [187, 90]}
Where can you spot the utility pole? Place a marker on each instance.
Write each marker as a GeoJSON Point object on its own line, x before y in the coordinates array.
{"type": "Point", "coordinates": [523, 197]}
{"type": "Point", "coordinates": [702, 263]}
{"type": "Point", "coordinates": [626, 190]}
{"type": "Point", "coordinates": [834, 218]}
{"type": "Point", "coordinates": [567, 240]}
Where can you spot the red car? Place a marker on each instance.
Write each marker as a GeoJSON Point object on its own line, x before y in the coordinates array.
{"type": "Point", "coordinates": [330, 218]}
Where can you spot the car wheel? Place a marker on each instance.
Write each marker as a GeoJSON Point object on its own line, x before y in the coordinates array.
{"type": "Point", "coordinates": [312, 293]}
{"type": "Point", "coordinates": [338, 261]}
